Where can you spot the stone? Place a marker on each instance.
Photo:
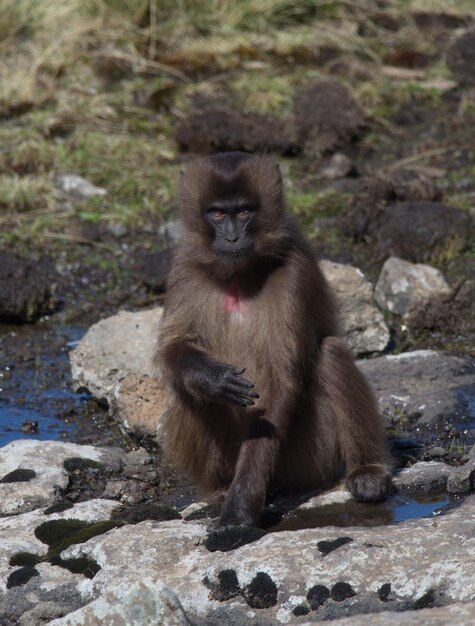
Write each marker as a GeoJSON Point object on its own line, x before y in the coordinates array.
{"type": "Point", "coordinates": [78, 188]}
{"type": "Point", "coordinates": [27, 287]}
{"type": "Point", "coordinates": [46, 459]}
{"type": "Point", "coordinates": [130, 603]}
{"type": "Point", "coordinates": [402, 284]}
{"type": "Point", "coordinates": [461, 58]}
{"type": "Point", "coordinates": [408, 385]}
{"type": "Point", "coordinates": [171, 232]}
{"type": "Point", "coordinates": [139, 403]}
{"type": "Point", "coordinates": [453, 615]}
{"type": "Point", "coordinates": [277, 571]}
{"type": "Point", "coordinates": [462, 479]}
{"type": "Point", "coordinates": [112, 349]}
{"type": "Point", "coordinates": [337, 166]}
{"type": "Point", "coordinates": [326, 117]}
{"type": "Point", "coordinates": [364, 328]}
{"type": "Point", "coordinates": [425, 477]}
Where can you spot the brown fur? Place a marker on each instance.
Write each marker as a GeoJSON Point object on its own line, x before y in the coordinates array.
{"type": "Point", "coordinates": [316, 419]}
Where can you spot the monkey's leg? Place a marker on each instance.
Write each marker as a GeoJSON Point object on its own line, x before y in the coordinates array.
{"type": "Point", "coordinates": [359, 425]}
{"type": "Point", "coordinates": [246, 496]}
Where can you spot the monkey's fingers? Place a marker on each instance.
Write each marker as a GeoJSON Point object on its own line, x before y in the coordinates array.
{"type": "Point", "coordinates": [240, 400]}
{"type": "Point", "coordinates": [242, 382]}
{"type": "Point", "coordinates": [241, 390]}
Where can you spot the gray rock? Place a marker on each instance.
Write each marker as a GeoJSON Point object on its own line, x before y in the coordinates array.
{"type": "Point", "coordinates": [32, 473]}
{"type": "Point", "coordinates": [364, 327]}
{"type": "Point", "coordinates": [454, 615]}
{"type": "Point", "coordinates": [423, 477]}
{"type": "Point", "coordinates": [78, 188]}
{"type": "Point", "coordinates": [402, 284]}
{"type": "Point", "coordinates": [410, 556]}
{"type": "Point", "coordinates": [408, 385]}
{"type": "Point", "coordinates": [114, 348]}
{"type": "Point", "coordinates": [144, 602]}
{"type": "Point", "coordinates": [42, 613]}
{"type": "Point", "coordinates": [171, 232]}
{"type": "Point", "coordinates": [462, 479]}
{"type": "Point", "coordinates": [337, 166]}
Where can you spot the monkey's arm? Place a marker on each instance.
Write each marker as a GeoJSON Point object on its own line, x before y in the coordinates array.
{"type": "Point", "coordinates": [191, 371]}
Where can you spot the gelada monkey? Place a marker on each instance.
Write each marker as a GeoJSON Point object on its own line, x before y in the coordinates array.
{"type": "Point", "coordinates": [264, 393]}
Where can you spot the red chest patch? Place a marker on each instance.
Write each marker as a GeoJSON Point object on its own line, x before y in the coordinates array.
{"type": "Point", "coordinates": [234, 300]}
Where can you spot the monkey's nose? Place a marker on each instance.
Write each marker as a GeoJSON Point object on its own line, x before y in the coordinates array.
{"type": "Point", "coordinates": [231, 239]}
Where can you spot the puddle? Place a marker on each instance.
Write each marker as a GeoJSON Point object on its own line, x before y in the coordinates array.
{"type": "Point", "coordinates": [395, 510]}
{"type": "Point", "coordinates": [36, 387]}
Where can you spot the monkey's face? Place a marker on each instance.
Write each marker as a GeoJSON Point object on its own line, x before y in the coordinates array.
{"type": "Point", "coordinates": [231, 221]}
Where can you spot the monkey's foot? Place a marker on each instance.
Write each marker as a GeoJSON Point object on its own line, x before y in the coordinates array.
{"type": "Point", "coordinates": [369, 483]}
{"type": "Point", "coordinates": [225, 538]}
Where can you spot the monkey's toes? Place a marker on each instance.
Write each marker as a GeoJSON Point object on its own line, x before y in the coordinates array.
{"type": "Point", "coordinates": [232, 536]}
{"type": "Point", "coordinates": [369, 483]}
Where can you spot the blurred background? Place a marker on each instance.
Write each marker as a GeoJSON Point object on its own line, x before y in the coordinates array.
{"type": "Point", "coordinates": [368, 105]}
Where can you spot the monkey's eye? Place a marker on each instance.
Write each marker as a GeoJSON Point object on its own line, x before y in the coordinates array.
{"type": "Point", "coordinates": [242, 213]}
{"type": "Point", "coordinates": [217, 214]}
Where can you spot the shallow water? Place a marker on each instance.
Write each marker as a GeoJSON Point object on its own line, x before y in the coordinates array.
{"type": "Point", "coordinates": [395, 510]}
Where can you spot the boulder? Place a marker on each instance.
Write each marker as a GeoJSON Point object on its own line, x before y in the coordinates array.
{"type": "Point", "coordinates": [409, 385]}
{"type": "Point", "coordinates": [78, 188]}
{"type": "Point", "coordinates": [364, 328]}
{"type": "Point", "coordinates": [402, 284]}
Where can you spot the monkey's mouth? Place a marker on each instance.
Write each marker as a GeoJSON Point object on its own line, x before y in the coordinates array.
{"type": "Point", "coordinates": [232, 254]}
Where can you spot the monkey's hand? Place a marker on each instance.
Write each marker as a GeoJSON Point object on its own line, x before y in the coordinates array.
{"type": "Point", "coordinates": [220, 383]}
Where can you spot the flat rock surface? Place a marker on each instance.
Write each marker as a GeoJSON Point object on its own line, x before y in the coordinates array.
{"type": "Point", "coordinates": [409, 384]}
{"type": "Point", "coordinates": [32, 473]}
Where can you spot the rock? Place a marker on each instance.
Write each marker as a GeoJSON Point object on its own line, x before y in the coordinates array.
{"type": "Point", "coordinates": [364, 327]}
{"type": "Point", "coordinates": [132, 603]}
{"type": "Point", "coordinates": [78, 188]}
{"type": "Point", "coordinates": [79, 229]}
{"type": "Point", "coordinates": [408, 384]}
{"type": "Point", "coordinates": [139, 403]}
{"type": "Point", "coordinates": [447, 315]}
{"type": "Point", "coordinates": [401, 230]}
{"type": "Point", "coordinates": [171, 232]}
{"type": "Point", "coordinates": [462, 479]}
{"type": "Point", "coordinates": [43, 613]}
{"type": "Point", "coordinates": [402, 284]}
{"type": "Point", "coordinates": [326, 117]}
{"type": "Point", "coordinates": [278, 571]}
{"type": "Point", "coordinates": [112, 349]}
{"type": "Point", "coordinates": [38, 472]}
{"type": "Point", "coordinates": [423, 477]}
{"type": "Point", "coordinates": [151, 269]}
{"type": "Point", "coordinates": [461, 58]}
{"type": "Point", "coordinates": [215, 126]}
{"type": "Point", "coordinates": [437, 452]}
{"type": "Point", "coordinates": [337, 166]}
{"type": "Point", "coordinates": [453, 615]}
{"type": "Point", "coordinates": [27, 288]}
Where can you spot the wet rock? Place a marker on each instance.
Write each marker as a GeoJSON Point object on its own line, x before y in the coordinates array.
{"type": "Point", "coordinates": [364, 327]}
{"type": "Point", "coordinates": [423, 477]}
{"type": "Point", "coordinates": [337, 166]}
{"type": "Point", "coordinates": [46, 460]}
{"type": "Point", "coordinates": [326, 117]}
{"type": "Point", "coordinates": [462, 479]}
{"type": "Point", "coordinates": [408, 385]}
{"type": "Point", "coordinates": [461, 58]}
{"type": "Point", "coordinates": [214, 126]}
{"type": "Point", "coordinates": [437, 452]}
{"type": "Point", "coordinates": [146, 601]}
{"type": "Point", "coordinates": [277, 571]}
{"type": "Point", "coordinates": [447, 315]}
{"type": "Point", "coordinates": [78, 188]}
{"type": "Point", "coordinates": [27, 287]}
{"type": "Point", "coordinates": [151, 269]}
{"type": "Point", "coordinates": [402, 284]}
{"type": "Point", "coordinates": [112, 349]}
